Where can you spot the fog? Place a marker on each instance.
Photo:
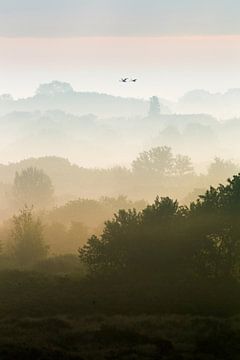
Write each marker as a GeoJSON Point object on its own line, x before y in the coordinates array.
{"type": "Point", "coordinates": [101, 130]}
{"type": "Point", "coordinates": [97, 153]}
{"type": "Point", "coordinates": [119, 180]}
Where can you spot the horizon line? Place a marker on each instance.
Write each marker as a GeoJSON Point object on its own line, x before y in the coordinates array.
{"type": "Point", "coordinates": [163, 36]}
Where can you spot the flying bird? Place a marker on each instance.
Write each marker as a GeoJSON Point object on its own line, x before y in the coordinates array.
{"type": "Point", "coordinates": [133, 80]}
{"type": "Point", "coordinates": [124, 80]}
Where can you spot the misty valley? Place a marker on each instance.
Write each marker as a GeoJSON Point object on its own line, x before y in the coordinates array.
{"type": "Point", "coordinates": [119, 226]}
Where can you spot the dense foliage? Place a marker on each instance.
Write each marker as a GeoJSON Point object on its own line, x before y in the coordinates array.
{"type": "Point", "coordinates": [173, 241]}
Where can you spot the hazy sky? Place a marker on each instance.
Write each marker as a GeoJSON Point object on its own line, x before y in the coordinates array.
{"type": "Point", "coordinates": [172, 46]}
{"type": "Point", "coordinates": [118, 17]}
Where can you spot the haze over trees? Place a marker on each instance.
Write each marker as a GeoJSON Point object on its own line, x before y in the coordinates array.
{"type": "Point", "coordinates": [161, 162]}
{"type": "Point", "coordinates": [119, 206]}
{"type": "Point", "coordinates": [66, 123]}
{"type": "Point", "coordinates": [33, 187]}
{"type": "Point", "coordinates": [147, 241]}
{"type": "Point", "coordinates": [27, 245]}
{"type": "Point", "coordinates": [100, 241]}
{"type": "Point", "coordinates": [155, 171]}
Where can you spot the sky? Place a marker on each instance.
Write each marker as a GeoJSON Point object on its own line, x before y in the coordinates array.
{"type": "Point", "coordinates": [171, 46]}
{"type": "Point", "coordinates": [118, 17]}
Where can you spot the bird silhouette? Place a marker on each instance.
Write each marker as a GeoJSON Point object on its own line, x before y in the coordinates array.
{"type": "Point", "coordinates": [124, 80]}
{"type": "Point", "coordinates": [133, 80]}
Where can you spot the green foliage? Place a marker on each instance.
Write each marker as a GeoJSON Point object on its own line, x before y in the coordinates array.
{"type": "Point", "coordinates": [135, 240]}
{"type": "Point", "coordinates": [27, 246]}
{"type": "Point", "coordinates": [219, 212]}
{"type": "Point", "coordinates": [224, 199]}
{"type": "Point", "coordinates": [166, 239]}
{"type": "Point", "coordinates": [161, 210]}
{"type": "Point", "coordinates": [106, 253]}
{"type": "Point", "coordinates": [33, 187]}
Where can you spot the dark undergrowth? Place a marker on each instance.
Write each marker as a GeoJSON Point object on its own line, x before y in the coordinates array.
{"type": "Point", "coordinates": [36, 294]}
{"type": "Point", "coordinates": [120, 337]}
{"type": "Point", "coordinates": [45, 317]}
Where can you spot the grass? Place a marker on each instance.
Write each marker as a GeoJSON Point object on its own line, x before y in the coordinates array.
{"type": "Point", "coordinates": [45, 317]}
{"type": "Point", "coordinates": [120, 337]}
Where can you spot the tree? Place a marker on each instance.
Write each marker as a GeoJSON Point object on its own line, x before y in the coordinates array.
{"type": "Point", "coordinates": [171, 241]}
{"type": "Point", "coordinates": [158, 160]}
{"type": "Point", "coordinates": [136, 242]}
{"type": "Point", "coordinates": [160, 210]}
{"type": "Point", "coordinates": [221, 169]}
{"type": "Point", "coordinates": [33, 187]}
{"type": "Point", "coordinates": [154, 108]}
{"type": "Point", "coordinates": [182, 165]}
{"type": "Point", "coordinates": [216, 217]}
{"type": "Point", "coordinates": [54, 88]}
{"type": "Point", "coordinates": [27, 245]}
{"type": "Point", "coordinates": [108, 253]}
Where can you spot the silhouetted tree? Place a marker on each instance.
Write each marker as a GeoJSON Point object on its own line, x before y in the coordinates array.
{"type": "Point", "coordinates": [137, 242]}
{"type": "Point", "coordinates": [218, 213]}
{"type": "Point", "coordinates": [27, 243]}
{"type": "Point", "coordinates": [107, 253]}
{"type": "Point", "coordinates": [173, 241]}
{"type": "Point", "coordinates": [33, 187]}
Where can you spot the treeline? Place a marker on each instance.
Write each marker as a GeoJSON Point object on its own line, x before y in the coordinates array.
{"type": "Point", "coordinates": [163, 258]}
{"type": "Point", "coordinates": [62, 229]}
{"type": "Point", "coordinates": [157, 171]}
{"type": "Point", "coordinates": [171, 240]}
{"type": "Point", "coordinates": [175, 258]}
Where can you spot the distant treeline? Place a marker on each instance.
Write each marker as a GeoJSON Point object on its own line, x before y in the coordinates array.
{"type": "Point", "coordinates": [157, 171]}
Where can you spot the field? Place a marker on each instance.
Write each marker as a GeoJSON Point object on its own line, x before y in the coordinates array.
{"type": "Point", "coordinates": [120, 337]}
{"type": "Point", "coordinates": [47, 317]}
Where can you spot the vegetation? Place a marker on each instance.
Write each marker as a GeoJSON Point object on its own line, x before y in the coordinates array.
{"type": "Point", "coordinates": [178, 265]}
{"type": "Point", "coordinates": [119, 214]}
{"type": "Point", "coordinates": [120, 337]}
{"type": "Point", "coordinates": [160, 162]}
{"type": "Point", "coordinates": [156, 171]}
{"type": "Point", "coordinates": [27, 244]}
{"type": "Point", "coordinates": [33, 187]}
